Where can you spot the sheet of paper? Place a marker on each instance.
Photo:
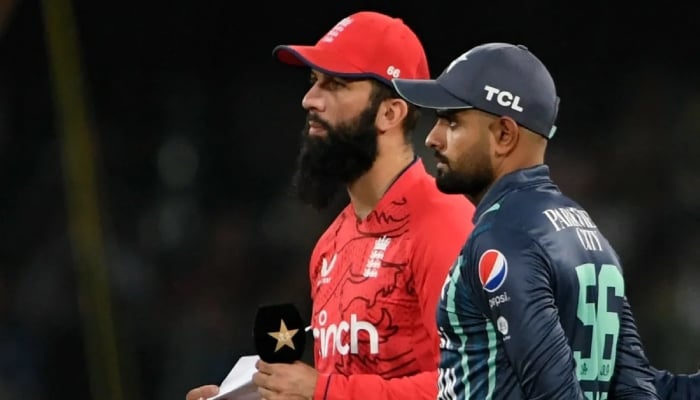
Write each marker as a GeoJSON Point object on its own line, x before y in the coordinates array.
{"type": "Point", "coordinates": [238, 384]}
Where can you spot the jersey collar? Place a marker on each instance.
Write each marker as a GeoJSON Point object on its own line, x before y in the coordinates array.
{"type": "Point", "coordinates": [509, 183]}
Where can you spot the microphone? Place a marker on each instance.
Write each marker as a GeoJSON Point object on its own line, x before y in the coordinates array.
{"type": "Point", "coordinates": [279, 333]}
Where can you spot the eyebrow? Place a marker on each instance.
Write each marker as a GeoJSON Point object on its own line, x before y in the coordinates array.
{"type": "Point", "coordinates": [346, 81]}
{"type": "Point", "coordinates": [319, 74]}
{"type": "Point", "coordinates": [443, 113]}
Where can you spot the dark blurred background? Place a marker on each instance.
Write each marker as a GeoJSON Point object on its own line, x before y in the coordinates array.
{"type": "Point", "coordinates": [146, 150]}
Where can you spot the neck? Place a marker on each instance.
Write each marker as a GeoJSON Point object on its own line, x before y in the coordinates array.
{"type": "Point", "coordinates": [516, 167]}
{"type": "Point", "coordinates": [368, 189]}
{"type": "Point", "coordinates": [517, 162]}
{"type": "Point", "coordinates": [532, 162]}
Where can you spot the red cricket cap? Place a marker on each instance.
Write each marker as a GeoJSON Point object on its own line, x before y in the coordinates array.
{"type": "Point", "coordinates": [366, 44]}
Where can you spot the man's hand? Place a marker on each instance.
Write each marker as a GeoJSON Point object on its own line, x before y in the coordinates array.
{"type": "Point", "coordinates": [202, 392]}
{"type": "Point", "coordinates": [285, 381]}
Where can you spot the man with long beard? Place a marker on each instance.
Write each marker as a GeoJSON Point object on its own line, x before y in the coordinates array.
{"type": "Point", "coordinates": [377, 271]}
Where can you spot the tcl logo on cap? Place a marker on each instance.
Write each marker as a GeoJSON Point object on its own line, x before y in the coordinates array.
{"type": "Point", "coordinates": [503, 97]}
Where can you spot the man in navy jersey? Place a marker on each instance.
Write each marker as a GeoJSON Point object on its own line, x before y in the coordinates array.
{"type": "Point", "coordinates": [535, 306]}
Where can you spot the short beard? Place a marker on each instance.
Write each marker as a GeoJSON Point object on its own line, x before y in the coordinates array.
{"type": "Point", "coordinates": [327, 164]}
{"type": "Point", "coordinates": [470, 176]}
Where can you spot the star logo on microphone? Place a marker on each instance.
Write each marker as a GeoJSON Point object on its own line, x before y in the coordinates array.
{"type": "Point", "coordinates": [284, 336]}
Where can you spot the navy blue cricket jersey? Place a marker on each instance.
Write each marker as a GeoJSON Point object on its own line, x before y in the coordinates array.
{"type": "Point", "coordinates": [535, 306]}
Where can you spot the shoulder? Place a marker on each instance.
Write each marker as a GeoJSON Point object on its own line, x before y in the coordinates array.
{"type": "Point", "coordinates": [509, 238]}
{"type": "Point", "coordinates": [430, 204]}
{"type": "Point", "coordinates": [440, 223]}
{"type": "Point", "coordinates": [528, 213]}
{"type": "Point", "coordinates": [330, 234]}
{"type": "Point", "coordinates": [437, 214]}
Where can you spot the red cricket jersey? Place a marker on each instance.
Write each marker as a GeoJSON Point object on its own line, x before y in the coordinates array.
{"type": "Point", "coordinates": [375, 285]}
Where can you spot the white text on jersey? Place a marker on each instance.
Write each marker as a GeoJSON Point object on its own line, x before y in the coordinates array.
{"type": "Point", "coordinates": [332, 335]}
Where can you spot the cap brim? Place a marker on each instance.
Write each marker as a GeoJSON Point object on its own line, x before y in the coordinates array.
{"type": "Point", "coordinates": [428, 93]}
{"type": "Point", "coordinates": [322, 60]}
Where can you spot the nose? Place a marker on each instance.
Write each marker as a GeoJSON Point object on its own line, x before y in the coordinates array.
{"type": "Point", "coordinates": [312, 100]}
{"type": "Point", "coordinates": [436, 138]}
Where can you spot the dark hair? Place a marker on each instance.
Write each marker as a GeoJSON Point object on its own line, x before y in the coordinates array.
{"type": "Point", "coordinates": [381, 92]}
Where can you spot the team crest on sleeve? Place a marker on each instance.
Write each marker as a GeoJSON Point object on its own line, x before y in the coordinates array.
{"type": "Point", "coordinates": [493, 269]}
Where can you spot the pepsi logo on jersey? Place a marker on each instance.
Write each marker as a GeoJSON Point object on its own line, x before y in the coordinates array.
{"type": "Point", "coordinates": [493, 270]}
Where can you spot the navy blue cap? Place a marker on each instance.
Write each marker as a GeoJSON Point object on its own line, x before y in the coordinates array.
{"type": "Point", "coordinates": [498, 78]}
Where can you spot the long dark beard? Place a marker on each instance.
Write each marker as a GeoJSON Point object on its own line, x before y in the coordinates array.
{"type": "Point", "coordinates": [327, 164]}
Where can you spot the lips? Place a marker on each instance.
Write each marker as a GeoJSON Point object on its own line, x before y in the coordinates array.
{"type": "Point", "coordinates": [315, 125]}
{"type": "Point", "coordinates": [441, 158]}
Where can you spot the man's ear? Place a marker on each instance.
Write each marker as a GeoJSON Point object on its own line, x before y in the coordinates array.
{"type": "Point", "coordinates": [391, 114]}
{"type": "Point", "coordinates": [506, 134]}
